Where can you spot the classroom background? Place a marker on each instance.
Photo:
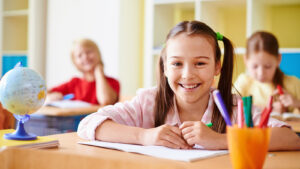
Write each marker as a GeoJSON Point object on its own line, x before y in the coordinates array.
{"type": "Point", "coordinates": [130, 33]}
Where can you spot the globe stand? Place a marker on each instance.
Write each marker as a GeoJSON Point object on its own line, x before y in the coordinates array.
{"type": "Point", "coordinates": [20, 133]}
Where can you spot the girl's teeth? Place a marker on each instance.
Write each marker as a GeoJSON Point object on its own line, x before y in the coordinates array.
{"type": "Point", "coordinates": [190, 86]}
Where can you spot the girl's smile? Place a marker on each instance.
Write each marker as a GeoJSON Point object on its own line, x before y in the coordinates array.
{"type": "Point", "coordinates": [190, 87]}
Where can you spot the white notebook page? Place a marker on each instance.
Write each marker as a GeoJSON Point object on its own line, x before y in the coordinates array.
{"type": "Point", "coordinates": [159, 151]}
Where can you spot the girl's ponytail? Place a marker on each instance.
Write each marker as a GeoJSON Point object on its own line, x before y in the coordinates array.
{"type": "Point", "coordinates": [224, 86]}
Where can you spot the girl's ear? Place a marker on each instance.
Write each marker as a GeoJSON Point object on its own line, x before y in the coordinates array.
{"type": "Point", "coordinates": [218, 68]}
{"type": "Point", "coordinates": [165, 71]}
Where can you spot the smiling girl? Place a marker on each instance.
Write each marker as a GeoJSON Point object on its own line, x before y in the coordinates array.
{"type": "Point", "coordinates": [175, 113]}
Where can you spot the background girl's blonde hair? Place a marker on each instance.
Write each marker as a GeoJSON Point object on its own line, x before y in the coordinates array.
{"type": "Point", "coordinates": [86, 43]}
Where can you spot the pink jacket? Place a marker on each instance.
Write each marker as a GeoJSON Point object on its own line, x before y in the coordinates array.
{"type": "Point", "coordinates": [139, 113]}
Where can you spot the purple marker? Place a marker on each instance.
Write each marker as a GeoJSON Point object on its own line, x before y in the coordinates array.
{"type": "Point", "coordinates": [220, 104]}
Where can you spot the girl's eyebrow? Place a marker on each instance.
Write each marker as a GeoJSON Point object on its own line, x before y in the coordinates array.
{"type": "Point", "coordinates": [196, 57]}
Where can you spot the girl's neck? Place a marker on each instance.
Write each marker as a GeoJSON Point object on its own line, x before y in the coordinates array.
{"type": "Point", "coordinates": [88, 76]}
{"type": "Point", "coordinates": [192, 111]}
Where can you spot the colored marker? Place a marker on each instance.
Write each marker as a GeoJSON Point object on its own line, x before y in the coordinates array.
{"type": "Point", "coordinates": [279, 88]}
{"type": "Point", "coordinates": [221, 106]}
{"type": "Point", "coordinates": [247, 105]}
{"type": "Point", "coordinates": [209, 124]}
{"type": "Point", "coordinates": [240, 114]}
{"type": "Point", "coordinates": [68, 96]}
{"type": "Point", "coordinates": [250, 110]}
{"type": "Point", "coordinates": [266, 114]}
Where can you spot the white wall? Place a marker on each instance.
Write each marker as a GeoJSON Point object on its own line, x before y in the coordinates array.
{"type": "Point", "coordinates": [115, 25]}
{"type": "Point", "coordinates": [131, 46]}
{"type": "Point", "coordinates": [71, 19]}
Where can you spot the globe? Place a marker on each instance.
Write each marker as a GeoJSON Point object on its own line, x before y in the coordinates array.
{"type": "Point", "coordinates": [22, 91]}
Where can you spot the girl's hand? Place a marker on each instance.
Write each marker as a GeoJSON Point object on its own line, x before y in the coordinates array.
{"type": "Point", "coordinates": [288, 100]}
{"type": "Point", "coordinates": [54, 96]}
{"type": "Point", "coordinates": [165, 135]}
{"type": "Point", "coordinates": [278, 107]}
{"type": "Point", "coordinates": [98, 70]}
{"type": "Point", "coordinates": [196, 132]}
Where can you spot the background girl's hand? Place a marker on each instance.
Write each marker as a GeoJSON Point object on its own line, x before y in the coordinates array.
{"type": "Point", "coordinates": [196, 132]}
{"type": "Point", "coordinates": [165, 135]}
{"type": "Point", "coordinates": [278, 107]}
{"type": "Point", "coordinates": [99, 70]}
{"type": "Point", "coordinates": [54, 96]}
{"type": "Point", "coordinates": [288, 100]}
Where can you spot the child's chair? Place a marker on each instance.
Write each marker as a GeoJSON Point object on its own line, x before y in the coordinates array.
{"type": "Point", "coordinates": [7, 120]}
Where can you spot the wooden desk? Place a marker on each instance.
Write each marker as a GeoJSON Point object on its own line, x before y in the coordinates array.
{"type": "Point", "coordinates": [55, 111]}
{"type": "Point", "coordinates": [75, 156]}
{"type": "Point", "coordinates": [295, 125]}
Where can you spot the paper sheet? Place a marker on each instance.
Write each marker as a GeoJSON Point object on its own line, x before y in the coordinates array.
{"type": "Point", "coordinates": [159, 151]}
{"type": "Point", "coordinates": [285, 116]}
{"type": "Point", "coordinates": [69, 104]}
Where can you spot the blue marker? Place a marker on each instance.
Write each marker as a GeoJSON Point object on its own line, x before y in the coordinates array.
{"type": "Point", "coordinates": [220, 104]}
{"type": "Point", "coordinates": [68, 96]}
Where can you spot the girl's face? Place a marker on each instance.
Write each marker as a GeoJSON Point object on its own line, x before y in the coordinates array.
{"type": "Point", "coordinates": [262, 66]}
{"type": "Point", "coordinates": [85, 58]}
{"type": "Point", "coordinates": [190, 67]}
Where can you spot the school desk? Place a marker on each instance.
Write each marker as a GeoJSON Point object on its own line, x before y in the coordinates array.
{"type": "Point", "coordinates": [75, 156]}
{"type": "Point", "coordinates": [295, 125]}
{"type": "Point", "coordinates": [55, 111]}
{"type": "Point", "coordinates": [53, 120]}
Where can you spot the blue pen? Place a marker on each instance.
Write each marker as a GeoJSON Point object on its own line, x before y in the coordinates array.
{"type": "Point", "coordinates": [220, 104]}
{"type": "Point", "coordinates": [68, 96]}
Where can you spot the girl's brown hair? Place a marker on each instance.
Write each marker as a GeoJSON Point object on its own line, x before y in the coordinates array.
{"type": "Point", "coordinates": [266, 42]}
{"type": "Point", "coordinates": [164, 96]}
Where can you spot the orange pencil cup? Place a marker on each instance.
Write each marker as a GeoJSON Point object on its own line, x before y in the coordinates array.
{"type": "Point", "coordinates": [248, 146]}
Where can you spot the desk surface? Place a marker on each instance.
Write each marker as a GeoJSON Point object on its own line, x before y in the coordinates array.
{"type": "Point", "coordinates": [55, 111]}
{"type": "Point", "coordinates": [295, 125]}
{"type": "Point", "coordinates": [75, 156]}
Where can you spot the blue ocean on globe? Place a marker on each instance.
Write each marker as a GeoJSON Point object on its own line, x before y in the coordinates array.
{"type": "Point", "coordinates": [22, 91]}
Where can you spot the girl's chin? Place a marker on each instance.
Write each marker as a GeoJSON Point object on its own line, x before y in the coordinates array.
{"type": "Point", "coordinates": [87, 70]}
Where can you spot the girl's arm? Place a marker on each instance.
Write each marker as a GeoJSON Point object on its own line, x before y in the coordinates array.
{"type": "Point", "coordinates": [53, 96]}
{"type": "Point", "coordinates": [164, 135]}
{"type": "Point", "coordinates": [283, 138]}
{"type": "Point", "coordinates": [105, 93]}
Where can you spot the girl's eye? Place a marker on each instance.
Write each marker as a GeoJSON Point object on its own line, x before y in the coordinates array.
{"type": "Point", "coordinates": [268, 67]}
{"type": "Point", "coordinates": [176, 64]}
{"type": "Point", "coordinates": [200, 63]}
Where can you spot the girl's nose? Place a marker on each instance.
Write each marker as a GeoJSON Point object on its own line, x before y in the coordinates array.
{"type": "Point", "coordinates": [260, 72]}
{"type": "Point", "coordinates": [84, 56]}
{"type": "Point", "coordinates": [188, 71]}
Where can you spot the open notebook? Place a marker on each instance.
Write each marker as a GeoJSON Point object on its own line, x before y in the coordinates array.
{"type": "Point", "coordinates": [159, 151]}
{"type": "Point", "coordinates": [40, 142]}
{"type": "Point", "coordinates": [285, 116]}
